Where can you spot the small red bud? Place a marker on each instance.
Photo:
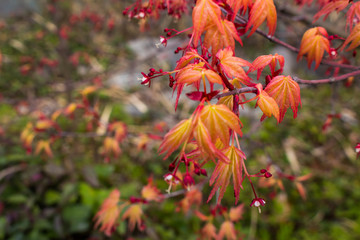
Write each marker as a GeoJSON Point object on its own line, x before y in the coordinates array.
{"type": "Point", "coordinates": [203, 172]}
{"type": "Point", "coordinates": [197, 171]}
{"type": "Point", "coordinates": [268, 175]}
{"type": "Point", "coordinates": [263, 170]}
{"type": "Point", "coordinates": [171, 167]}
{"type": "Point", "coordinates": [188, 180]}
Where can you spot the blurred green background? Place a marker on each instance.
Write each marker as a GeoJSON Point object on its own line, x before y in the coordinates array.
{"type": "Point", "coordinates": [58, 197]}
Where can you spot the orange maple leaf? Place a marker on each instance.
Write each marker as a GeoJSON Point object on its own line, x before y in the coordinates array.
{"type": "Point", "coordinates": [237, 5]}
{"type": "Point", "coordinates": [227, 229]}
{"type": "Point", "coordinates": [205, 13]}
{"type": "Point", "coordinates": [261, 10]}
{"type": "Point", "coordinates": [208, 232]}
{"type": "Point", "coordinates": [267, 60]}
{"type": "Point", "coordinates": [203, 139]}
{"type": "Point", "coordinates": [223, 172]}
{"type": "Point", "coordinates": [175, 137]}
{"type": "Point", "coordinates": [109, 213]}
{"type": "Point", "coordinates": [232, 66]}
{"type": "Point", "coordinates": [337, 5]}
{"type": "Point", "coordinates": [193, 73]}
{"type": "Point", "coordinates": [314, 43]}
{"type": "Point", "coordinates": [218, 119]}
{"type": "Point", "coordinates": [187, 58]}
{"type": "Point", "coordinates": [217, 39]}
{"type": "Point", "coordinates": [286, 93]}
{"type": "Point", "coordinates": [354, 38]}
{"type": "Point", "coordinates": [352, 15]}
{"type": "Point", "coordinates": [151, 193]}
{"type": "Point", "coordinates": [134, 213]}
{"type": "Point", "coordinates": [236, 213]}
{"type": "Point", "coordinates": [267, 104]}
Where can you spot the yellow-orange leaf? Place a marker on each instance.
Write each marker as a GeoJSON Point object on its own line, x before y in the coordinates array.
{"type": "Point", "coordinates": [261, 10]}
{"type": "Point", "coordinates": [205, 144]}
{"type": "Point", "coordinates": [354, 38]}
{"type": "Point", "coordinates": [185, 60]}
{"type": "Point", "coordinates": [193, 73]}
{"type": "Point", "coordinates": [175, 137]}
{"type": "Point", "coordinates": [236, 213]}
{"type": "Point", "coordinates": [232, 66]}
{"type": "Point", "coordinates": [227, 230]}
{"type": "Point", "coordinates": [286, 93]}
{"type": "Point", "coordinates": [216, 39]}
{"type": "Point", "coordinates": [223, 172]}
{"type": "Point", "coordinates": [267, 60]}
{"type": "Point", "coordinates": [134, 213]}
{"type": "Point", "coordinates": [218, 119]}
{"type": "Point", "coordinates": [151, 193]}
{"type": "Point", "coordinates": [334, 5]}
{"type": "Point", "coordinates": [108, 213]}
{"type": "Point", "coordinates": [44, 146]}
{"type": "Point", "coordinates": [267, 104]}
{"type": "Point", "coordinates": [209, 231]}
{"type": "Point", "coordinates": [314, 43]}
{"type": "Point", "coordinates": [205, 13]}
{"type": "Point", "coordinates": [237, 5]}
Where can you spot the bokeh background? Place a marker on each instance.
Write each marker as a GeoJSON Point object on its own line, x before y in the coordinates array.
{"type": "Point", "coordinates": [50, 51]}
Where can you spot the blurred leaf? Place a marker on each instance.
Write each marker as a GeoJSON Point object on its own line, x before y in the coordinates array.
{"type": "Point", "coordinates": [77, 217]}
{"type": "Point", "coordinates": [87, 195]}
{"type": "Point", "coordinates": [52, 197]}
{"type": "Point", "coordinates": [17, 199]}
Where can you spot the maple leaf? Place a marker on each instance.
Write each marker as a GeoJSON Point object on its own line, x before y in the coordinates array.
{"type": "Point", "coordinates": [232, 66]}
{"type": "Point", "coordinates": [236, 213]}
{"type": "Point", "coordinates": [217, 39]}
{"type": "Point", "coordinates": [223, 172]}
{"type": "Point", "coordinates": [218, 119]}
{"type": "Point", "coordinates": [353, 15]}
{"type": "Point", "coordinates": [267, 104]}
{"type": "Point", "coordinates": [354, 38]}
{"type": "Point", "coordinates": [227, 229]}
{"type": "Point", "coordinates": [192, 198]}
{"type": "Point", "coordinates": [208, 231]}
{"type": "Point", "coordinates": [134, 213]}
{"type": "Point", "coordinates": [205, 12]}
{"type": "Point", "coordinates": [203, 139]}
{"type": "Point", "coordinates": [237, 5]}
{"type": "Point", "coordinates": [261, 10]}
{"type": "Point", "coordinates": [175, 137]}
{"type": "Point", "coordinates": [267, 60]}
{"type": "Point", "coordinates": [109, 213]}
{"type": "Point", "coordinates": [44, 146]}
{"type": "Point", "coordinates": [151, 193]}
{"type": "Point", "coordinates": [193, 73]}
{"type": "Point", "coordinates": [185, 60]}
{"type": "Point", "coordinates": [111, 146]}
{"type": "Point", "coordinates": [314, 43]}
{"type": "Point", "coordinates": [337, 5]}
{"type": "Point", "coordinates": [286, 93]}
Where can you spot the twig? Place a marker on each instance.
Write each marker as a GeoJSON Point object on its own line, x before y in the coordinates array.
{"type": "Point", "coordinates": [240, 19]}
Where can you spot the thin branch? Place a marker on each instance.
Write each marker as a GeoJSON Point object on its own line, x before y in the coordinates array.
{"type": "Point", "coordinates": [327, 80]}
{"type": "Point", "coordinates": [238, 91]}
{"type": "Point", "coordinates": [296, 79]}
{"type": "Point", "coordinates": [240, 19]}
